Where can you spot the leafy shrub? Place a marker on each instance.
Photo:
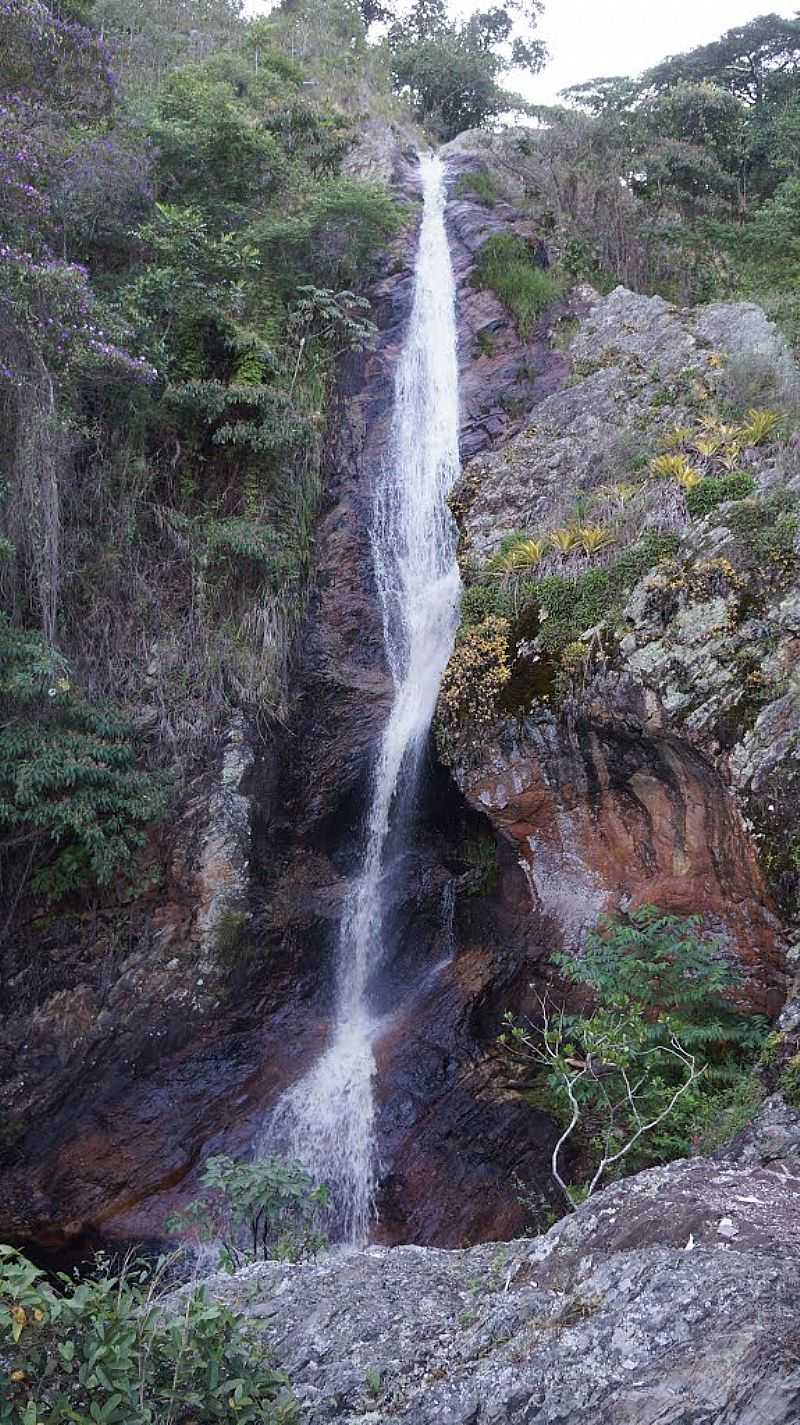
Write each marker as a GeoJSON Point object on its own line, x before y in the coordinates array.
{"type": "Point", "coordinates": [480, 601]}
{"type": "Point", "coordinates": [769, 527]}
{"type": "Point", "coordinates": [208, 145]}
{"type": "Point", "coordinates": [69, 787]}
{"type": "Point", "coordinates": [274, 1203]}
{"type": "Point", "coordinates": [716, 490]}
{"type": "Point", "coordinates": [109, 1348]}
{"type": "Point", "coordinates": [645, 554]}
{"type": "Point", "coordinates": [505, 265]}
{"type": "Point", "coordinates": [664, 1058]}
{"type": "Point", "coordinates": [676, 981]}
{"type": "Point", "coordinates": [334, 239]}
{"type": "Point", "coordinates": [568, 607]}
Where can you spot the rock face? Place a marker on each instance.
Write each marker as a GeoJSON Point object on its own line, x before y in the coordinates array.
{"type": "Point", "coordinates": [168, 1033]}
{"type": "Point", "coordinates": [638, 368]}
{"type": "Point", "coordinates": [672, 1296]}
{"type": "Point", "coordinates": [172, 1032]}
{"type": "Point", "coordinates": [673, 761]}
{"type": "Point", "coordinates": [610, 810]}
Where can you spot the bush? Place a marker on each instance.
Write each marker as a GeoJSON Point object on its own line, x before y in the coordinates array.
{"type": "Point", "coordinates": [480, 182]}
{"type": "Point", "coordinates": [769, 528]}
{"type": "Point", "coordinates": [274, 1204]}
{"type": "Point", "coordinates": [69, 787]}
{"type": "Point", "coordinates": [642, 556]}
{"type": "Point", "coordinates": [713, 490]}
{"type": "Point", "coordinates": [568, 607]}
{"type": "Point", "coordinates": [505, 265]}
{"type": "Point", "coordinates": [664, 1057]}
{"type": "Point", "coordinates": [110, 1348]}
{"type": "Point", "coordinates": [481, 601]}
{"type": "Point", "coordinates": [334, 239]}
{"type": "Point", "coordinates": [676, 981]}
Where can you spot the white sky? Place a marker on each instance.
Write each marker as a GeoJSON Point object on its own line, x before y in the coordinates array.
{"type": "Point", "coordinates": [589, 38]}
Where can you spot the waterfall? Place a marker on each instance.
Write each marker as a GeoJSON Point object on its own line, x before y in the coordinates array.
{"type": "Point", "coordinates": [327, 1119]}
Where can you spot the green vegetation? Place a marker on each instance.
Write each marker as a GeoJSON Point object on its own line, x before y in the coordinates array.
{"type": "Point", "coordinates": [480, 182]}
{"type": "Point", "coordinates": [450, 71]}
{"type": "Point", "coordinates": [475, 675]}
{"type": "Point", "coordinates": [664, 1058]}
{"type": "Point", "coordinates": [768, 527]}
{"type": "Point", "coordinates": [479, 852]}
{"type": "Point", "coordinates": [790, 1082]}
{"type": "Point", "coordinates": [569, 605]}
{"type": "Point", "coordinates": [71, 798]}
{"type": "Point", "coordinates": [503, 611]}
{"type": "Point", "coordinates": [111, 1347]}
{"type": "Point", "coordinates": [273, 1205]}
{"type": "Point", "coordinates": [181, 266]}
{"type": "Point", "coordinates": [705, 496]}
{"type": "Point", "coordinates": [506, 266]}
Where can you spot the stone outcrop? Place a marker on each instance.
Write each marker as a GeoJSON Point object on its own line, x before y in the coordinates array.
{"type": "Point", "coordinates": [671, 1296]}
{"type": "Point", "coordinates": [668, 773]}
{"type": "Point", "coordinates": [609, 811]}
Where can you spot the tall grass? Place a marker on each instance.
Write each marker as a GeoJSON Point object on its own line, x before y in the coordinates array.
{"type": "Point", "coordinates": [481, 184]}
{"type": "Point", "coordinates": [505, 265]}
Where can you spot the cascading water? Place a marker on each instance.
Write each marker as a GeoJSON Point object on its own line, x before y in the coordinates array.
{"type": "Point", "coordinates": [327, 1119]}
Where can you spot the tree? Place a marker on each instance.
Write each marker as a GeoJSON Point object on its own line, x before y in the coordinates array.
{"type": "Point", "coordinates": [451, 72]}
{"type": "Point", "coordinates": [756, 61]}
{"type": "Point", "coordinates": [275, 1205]}
{"type": "Point", "coordinates": [609, 95]}
{"type": "Point", "coordinates": [663, 1045]}
{"type": "Point", "coordinates": [610, 1074]}
{"type": "Point", "coordinates": [373, 11]}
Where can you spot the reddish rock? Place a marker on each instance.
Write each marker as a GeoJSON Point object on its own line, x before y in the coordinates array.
{"type": "Point", "coordinates": [607, 812]}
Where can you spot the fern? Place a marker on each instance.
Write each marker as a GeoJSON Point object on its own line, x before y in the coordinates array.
{"type": "Point", "coordinates": [69, 785]}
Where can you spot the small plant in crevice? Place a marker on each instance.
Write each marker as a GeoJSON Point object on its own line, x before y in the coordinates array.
{"type": "Point", "coordinates": [267, 1209]}
{"type": "Point", "coordinates": [479, 853]}
{"type": "Point", "coordinates": [758, 426]}
{"type": "Point", "coordinates": [789, 1082]}
{"type": "Point", "coordinates": [595, 538]}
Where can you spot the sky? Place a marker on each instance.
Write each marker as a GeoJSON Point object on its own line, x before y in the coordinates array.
{"type": "Point", "coordinates": [589, 38]}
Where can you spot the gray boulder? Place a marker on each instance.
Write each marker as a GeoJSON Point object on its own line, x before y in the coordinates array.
{"type": "Point", "coordinates": [672, 1298]}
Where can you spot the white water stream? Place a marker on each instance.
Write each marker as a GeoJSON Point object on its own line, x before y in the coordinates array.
{"type": "Point", "coordinates": [327, 1119]}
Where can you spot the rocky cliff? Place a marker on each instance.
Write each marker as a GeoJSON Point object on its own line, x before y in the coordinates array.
{"type": "Point", "coordinates": [665, 775]}
{"type": "Point", "coordinates": [672, 1296]}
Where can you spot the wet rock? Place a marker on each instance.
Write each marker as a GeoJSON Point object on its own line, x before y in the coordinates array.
{"type": "Point", "coordinates": [178, 1043]}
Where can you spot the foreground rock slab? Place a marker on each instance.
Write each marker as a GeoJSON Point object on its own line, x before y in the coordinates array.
{"type": "Point", "coordinates": [672, 1298]}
